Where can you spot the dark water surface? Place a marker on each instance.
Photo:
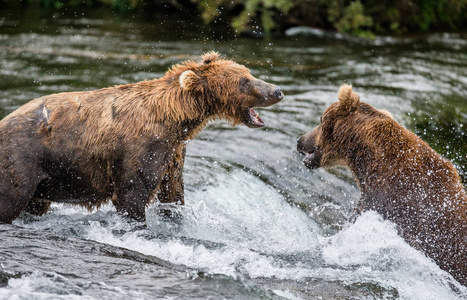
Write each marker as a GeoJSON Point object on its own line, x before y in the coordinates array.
{"type": "Point", "coordinates": [257, 224]}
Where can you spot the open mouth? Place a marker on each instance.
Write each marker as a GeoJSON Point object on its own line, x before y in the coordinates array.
{"type": "Point", "coordinates": [253, 119]}
{"type": "Point", "coordinates": [310, 160]}
{"type": "Point", "coordinates": [309, 157]}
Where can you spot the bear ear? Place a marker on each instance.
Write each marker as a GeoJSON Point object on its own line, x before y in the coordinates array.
{"type": "Point", "coordinates": [188, 80]}
{"type": "Point", "coordinates": [348, 99]}
{"type": "Point", "coordinates": [210, 57]}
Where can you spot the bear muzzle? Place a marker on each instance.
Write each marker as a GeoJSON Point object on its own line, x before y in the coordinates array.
{"type": "Point", "coordinates": [269, 94]}
{"type": "Point", "coordinates": [313, 155]}
{"type": "Point", "coordinates": [277, 95]}
{"type": "Point", "coordinates": [264, 95]}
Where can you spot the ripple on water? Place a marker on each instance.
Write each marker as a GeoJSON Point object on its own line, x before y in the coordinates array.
{"type": "Point", "coordinates": [253, 212]}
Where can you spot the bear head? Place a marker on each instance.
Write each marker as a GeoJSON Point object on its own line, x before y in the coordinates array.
{"type": "Point", "coordinates": [228, 89]}
{"type": "Point", "coordinates": [343, 125]}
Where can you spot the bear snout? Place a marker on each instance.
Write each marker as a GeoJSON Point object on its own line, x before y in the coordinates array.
{"type": "Point", "coordinates": [268, 94]}
{"type": "Point", "coordinates": [278, 93]}
{"type": "Point", "coordinates": [305, 144]}
{"type": "Point", "coordinates": [300, 147]}
{"type": "Point", "coordinates": [275, 94]}
{"type": "Point", "coordinates": [307, 147]}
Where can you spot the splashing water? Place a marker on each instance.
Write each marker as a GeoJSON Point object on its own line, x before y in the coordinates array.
{"type": "Point", "coordinates": [241, 227]}
{"type": "Point", "coordinates": [256, 224]}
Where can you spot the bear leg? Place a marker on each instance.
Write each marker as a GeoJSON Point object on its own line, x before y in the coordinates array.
{"type": "Point", "coordinates": [141, 175]}
{"type": "Point", "coordinates": [14, 200]}
{"type": "Point", "coordinates": [132, 201]}
{"type": "Point", "coordinates": [171, 188]}
{"type": "Point", "coordinates": [17, 186]}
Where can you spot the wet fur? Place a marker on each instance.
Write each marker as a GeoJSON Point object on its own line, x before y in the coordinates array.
{"type": "Point", "coordinates": [124, 143]}
{"type": "Point", "coordinates": [399, 176]}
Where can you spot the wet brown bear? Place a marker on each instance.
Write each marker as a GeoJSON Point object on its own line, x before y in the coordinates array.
{"type": "Point", "coordinates": [124, 143]}
{"type": "Point", "coordinates": [399, 176]}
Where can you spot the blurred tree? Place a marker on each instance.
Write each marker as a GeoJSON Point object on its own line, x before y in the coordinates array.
{"type": "Point", "coordinates": [251, 10]}
{"type": "Point", "coordinates": [358, 17]}
{"type": "Point", "coordinates": [350, 19]}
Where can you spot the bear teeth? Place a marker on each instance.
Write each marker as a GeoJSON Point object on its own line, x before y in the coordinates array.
{"type": "Point", "coordinates": [255, 119]}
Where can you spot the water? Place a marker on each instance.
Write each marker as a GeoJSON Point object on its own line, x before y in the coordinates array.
{"type": "Point", "coordinates": [257, 224]}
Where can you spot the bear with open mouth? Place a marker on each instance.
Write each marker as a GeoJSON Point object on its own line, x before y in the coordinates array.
{"type": "Point", "coordinates": [125, 143]}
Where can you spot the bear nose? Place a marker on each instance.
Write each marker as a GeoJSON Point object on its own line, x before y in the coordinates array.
{"type": "Point", "coordinates": [278, 93]}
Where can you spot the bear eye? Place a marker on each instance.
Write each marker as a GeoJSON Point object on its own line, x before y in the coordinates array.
{"type": "Point", "coordinates": [244, 81]}
{"type": "Point", "coordinates": [244, 84]}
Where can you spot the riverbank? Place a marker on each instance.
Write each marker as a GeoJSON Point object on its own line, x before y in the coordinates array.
{"type": "Point", "coordinates": [265, 17]}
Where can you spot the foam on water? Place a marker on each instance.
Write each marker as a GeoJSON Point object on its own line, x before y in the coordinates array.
{"type": "Point", "coordinates": [370, 250]}
{"type": "Point", "coordinates": [238, 225]}
{"type": "Point", "coordinates": [41, 285]}
{"type": "Point", "coordinates": [235, 223]}
{"type": "Point", "coordinates": [240, 218]}
{"type": "Point", "coordinates": [240, 207]}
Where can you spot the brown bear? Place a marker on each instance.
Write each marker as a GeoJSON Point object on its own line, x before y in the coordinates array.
{"type": "Point", "coordinates": [399, 176]}
{"type": "Point", "coordinates": [125, 143]}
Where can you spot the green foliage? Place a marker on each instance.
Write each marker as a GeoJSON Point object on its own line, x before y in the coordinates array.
{"type": "Point", "coordinates": [48, 3]}
{"type": "Point", "coordinates": [434, 12]}
{"type": "Point", "coordinates": [333, 10]}
{"type": "Point", "coordinates": [401, 16]}
{"type": "Point", "coordinates": [122, 5]}
{"type": "Point", "coordinates": [209, 9]}
{"type": "Point", "coordinates": [251, 11]}
{"type": "Point", "coordinates": [265, 8]}
{"type": "Point", "coordinates": [353, 20]}
{"type": "Point", "coordinates": [358, 17]}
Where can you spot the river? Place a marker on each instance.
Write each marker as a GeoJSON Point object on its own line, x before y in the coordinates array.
{"type": "Point", "coordinates": [257, 224]}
